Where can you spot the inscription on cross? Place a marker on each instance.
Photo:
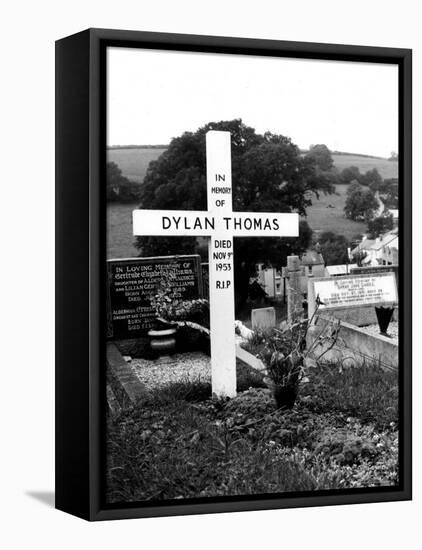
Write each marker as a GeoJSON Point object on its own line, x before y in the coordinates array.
{"type": "Point", "coordinates": [221, 224]}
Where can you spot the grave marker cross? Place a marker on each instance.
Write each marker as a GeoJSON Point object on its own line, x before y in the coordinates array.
{"type": "Point", "coordinates": [221, 224]}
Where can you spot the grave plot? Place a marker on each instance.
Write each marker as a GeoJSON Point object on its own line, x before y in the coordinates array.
{"type": "Point", "coordinates": [134, 295]}
{"type": "Point", "coordinates": [220, 224]}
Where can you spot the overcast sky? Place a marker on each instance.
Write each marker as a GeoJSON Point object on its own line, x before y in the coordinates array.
{"type": "Point", "coordinates": [156, 95]}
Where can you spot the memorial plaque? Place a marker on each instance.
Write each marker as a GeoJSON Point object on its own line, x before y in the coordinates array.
{"type": "Point", "coordinates": [353, 291]}
{"type": "Point", "coordinates": [132, 282]}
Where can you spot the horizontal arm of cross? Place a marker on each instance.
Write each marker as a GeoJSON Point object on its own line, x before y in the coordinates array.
{"type": "Point", "coordinates": [172, 223]}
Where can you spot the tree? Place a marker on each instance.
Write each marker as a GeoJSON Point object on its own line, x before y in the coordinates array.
{"type": "Point", "coordinates": [321, 156]}
{"type": "Point", "coordinates": [359, 256]}
{"type": "Point", "coordinates": [380, 225]}
{"type": "Point", "coordinates": [350, 174]}
{"type": "Point", "coordinates": [372, 179]}
{"type": "Point", "coordinates": [119, 188]}
{"type": "Point", "coordinates": [389, 192]}
{"type": "Point", "coordinates": [268, 174]}
{"type": "Point", "coordinates": [333, 248]}
{"type": "Point", "coordinates": [361, 203]}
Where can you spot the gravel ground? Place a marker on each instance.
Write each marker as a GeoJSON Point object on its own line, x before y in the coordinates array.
{"type": "Point", "coordinates": [393, 330]}
{"type": "Point", "coordinates": [167, 369]}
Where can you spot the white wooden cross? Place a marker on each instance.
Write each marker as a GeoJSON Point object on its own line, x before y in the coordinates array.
{"type": "Point", "coordinates": [221, 224]}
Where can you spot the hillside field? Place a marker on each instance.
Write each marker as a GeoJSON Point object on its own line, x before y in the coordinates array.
{"type": "Point", "coordinates": [325, 214]}
{"type": "Point", "coordinates": [133, 162]}
{"type": "Point", "coordinates": [387, 168]}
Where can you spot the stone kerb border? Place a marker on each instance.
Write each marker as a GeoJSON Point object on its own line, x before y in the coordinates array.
{"type": "Point", "coordinates": [354, 346]}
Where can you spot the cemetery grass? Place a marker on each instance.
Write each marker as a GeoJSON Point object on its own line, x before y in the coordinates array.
{"type": "Point", "coordinates": [179, 443]}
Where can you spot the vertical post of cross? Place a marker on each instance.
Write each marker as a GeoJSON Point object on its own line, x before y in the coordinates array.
{"type": "Point", "coordinates": [221, 287]}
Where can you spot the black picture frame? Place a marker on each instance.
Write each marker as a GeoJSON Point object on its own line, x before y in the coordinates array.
{"type": "Point", "coordinates": [81, 273]}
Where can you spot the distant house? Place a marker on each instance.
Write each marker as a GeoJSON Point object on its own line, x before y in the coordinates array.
{"type": "Point", "coordinates": [383, 250]}
{"type": "Point", "coordinates": [313, 264]}
{"type": "Point", "coordinates": [271, 281]}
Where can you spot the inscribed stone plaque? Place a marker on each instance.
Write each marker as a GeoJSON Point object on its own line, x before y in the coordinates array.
{"type": "Point", "coordinates": [132, 283]}
{"type": "Point", "coordinates": [355, 291]}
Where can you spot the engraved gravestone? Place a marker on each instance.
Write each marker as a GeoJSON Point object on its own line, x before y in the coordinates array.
{"type": "Point", "coordinates": [263, 318]}
{"type": "Point", "coordinates": [132, 282]}
{"type": "Point", "coordinates": [337, 295]}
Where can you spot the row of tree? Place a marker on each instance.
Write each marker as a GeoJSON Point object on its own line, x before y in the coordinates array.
{"type": "Point", "coordinates": [371, 178]}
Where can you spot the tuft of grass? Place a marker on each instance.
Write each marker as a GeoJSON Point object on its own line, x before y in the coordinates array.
{"type": "Point", "coordinates": [367, 392]}
{"type": "Point", "coordinates": [197, 390]}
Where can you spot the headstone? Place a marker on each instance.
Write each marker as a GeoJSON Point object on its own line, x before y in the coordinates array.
{"type": "Point", "coordinates": [365, 270]}
{"type": "Point", "coordinates": [221, 225]}
{"type": "Point", "coordinates": [294, 289]}
{"type": "Point", "coordinates": [263, 318]}
{"type": "Point", "coordinates": [340, 295]}
{"type": "Point", "coordinates": [132, 283]}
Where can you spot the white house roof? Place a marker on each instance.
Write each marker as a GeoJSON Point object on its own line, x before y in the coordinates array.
{"type": "Point", "coordinates": [386, 240]}
{"type": "Point", "coordinates": [312, 257]}
{"type": "Point", "coordinates": [364, 245]}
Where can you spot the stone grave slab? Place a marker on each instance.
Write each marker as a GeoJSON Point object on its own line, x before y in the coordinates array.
{"type": "Point", "coordinates": [263, 318]}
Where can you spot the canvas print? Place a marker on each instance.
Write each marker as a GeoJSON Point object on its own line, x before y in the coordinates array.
{"type": "Point", "coordinates": [252, 259]}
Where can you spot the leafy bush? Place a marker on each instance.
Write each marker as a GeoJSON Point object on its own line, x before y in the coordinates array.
{"type": "Point", "coordinates": [171, 309]}
{"type": "Point", "coordinates": [283, 352]}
